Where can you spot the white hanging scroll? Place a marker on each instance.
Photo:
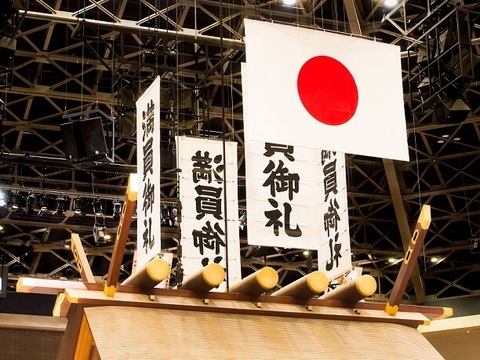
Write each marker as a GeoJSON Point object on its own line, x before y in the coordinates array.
{"type": "Point", "coordinates": [334, 253]}
{"type": "Point", "coordinates": [148, 168]}
{"type": "Point", "coordinates": [209, 218]}
{"type": "Point", "coordinates": [297, 198]}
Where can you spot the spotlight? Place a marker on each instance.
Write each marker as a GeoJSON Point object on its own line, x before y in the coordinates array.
{"type": "Point", "coordinates": [117, 209]}
{"type": "Point", "coordinates": [97, 207]}
{"type": "Point", "coordinates": [289, 2]}
{"type": "Point", "coordinates": [15, 200]}
{"type": "Point", "coordinates": [475, 244]}
{"type": "Point", "coordinates": [99, 231]}
{"type": "Point", "coordinates": [78, 206]}
{"type": "Point", "coordinates": [69, 273]}
{"type": "Point", "coordinates": [30, 202]}
{"type": "Point", "coordinates": [434, 259]}
{"type": "Point", "coordinates": [43, 204]}
{"type": "Point", "coordinates": [166, 218]}
{"type": "Point", "coordinates": [242, 220]}
{"type": "Point", "coordinates": [17, 269]}
{"type": "Point", "coordinates": [175, 216]}
{"type": "Point", "coordinates": [3, 202]}
{"type": "Point", "coordinates": [61, 200]}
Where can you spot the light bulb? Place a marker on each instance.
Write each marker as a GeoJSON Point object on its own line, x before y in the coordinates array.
{"type": "Point", "coordinates": [390, 3]}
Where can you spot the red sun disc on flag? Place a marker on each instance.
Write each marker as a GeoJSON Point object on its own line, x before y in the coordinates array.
{"type": "Point", "coordinates": [327, 90]}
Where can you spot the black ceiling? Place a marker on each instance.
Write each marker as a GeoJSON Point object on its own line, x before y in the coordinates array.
{"type": "Point", "coordinates": [87, 55]}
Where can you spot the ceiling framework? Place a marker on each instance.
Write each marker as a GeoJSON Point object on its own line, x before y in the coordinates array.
{"type": "Point", "coordinates": [89, 55]}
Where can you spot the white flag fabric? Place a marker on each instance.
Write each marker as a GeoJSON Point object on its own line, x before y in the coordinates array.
{"type": "Point", "coordinates": [209, 179]}
{"type": "Point", "coordinates": [297, 198]}
{"type": "Point", "coordinates": [323, 90]}
{"type": "Point", "coordinates": [283, 199]}
{"type": "Point", "coordinates": [149, 239]}
{"type": "Point", "coordinates": [334, 252]}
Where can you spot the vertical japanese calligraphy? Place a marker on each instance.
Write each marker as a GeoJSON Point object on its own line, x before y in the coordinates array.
{"type": "Point", "coordinates": [209, 179]}
{"type": "Point", "coordinates": [334, 254]}
{"type": "Point", "coordinates": [282, 199]}
{"type": "Point", "coordinates": [148, 164]}
{"type": "Point", "coordinates": [280, 179]}
{"type": "Point", "coordinates": [297, 198]}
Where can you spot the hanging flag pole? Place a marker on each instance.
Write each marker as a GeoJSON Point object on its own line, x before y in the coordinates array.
{"type": "Point", "coordinates": [409, 261]}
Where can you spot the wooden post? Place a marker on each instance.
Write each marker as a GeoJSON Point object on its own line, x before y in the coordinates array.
{"type": "Point", "coordinates": [410, 260]}
{"type": "Point", "coordinates": [122, 235]}
{"type": "Point", "coordinates": [257, 283]}
{"type": "Point", "coordinates": [150, 274]}
{"type": "Point", "coordinates": [306, 287]}
{"type": "Point", "coordinates": [353, 291]}
{"type": "Point", "coordinates": [81, 259]}
{"type": "Point", "coordinates": [70, 337]}
{"type": "Point", "coordinates": [206, 279]}
{"type": "Point", "coordinates": [85, 343]}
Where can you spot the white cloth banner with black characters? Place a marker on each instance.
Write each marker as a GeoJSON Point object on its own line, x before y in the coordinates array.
{"type": "Point", "coordinates": [148, 168]}
{"type": "Point", "coordinates": [283, 207]}
{"type": "Point", "coordinates": [297, 198]}
{"type": "Point", "coordinates": [334, 252]}
{"type": "Point", "coordinates": [209, 217]}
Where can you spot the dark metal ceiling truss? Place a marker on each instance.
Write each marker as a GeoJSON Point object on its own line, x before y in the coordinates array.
{"type": "Point", "coordinates": [74, 56]}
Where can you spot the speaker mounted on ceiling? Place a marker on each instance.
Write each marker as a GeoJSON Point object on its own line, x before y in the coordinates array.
{"type": "Point", "coordinates": [86, 138]}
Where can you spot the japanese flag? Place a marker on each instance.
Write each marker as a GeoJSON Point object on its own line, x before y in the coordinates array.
{"type": "Point", "coordinates": [322, 90]}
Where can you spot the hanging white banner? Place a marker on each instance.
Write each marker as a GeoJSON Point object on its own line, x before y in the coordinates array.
{"type": "Point", "coordinates": [283, 207]}
{"type": "Point", "coordinates": [297, 198]}
{"type": "Point", "coordinates": [149, 242]}
{"type": "Point", "coordinates": [317, 89]}
{"type": "Point", "coordinates": [334, 252]}
{"type": "Point", "coordinates": [209, 217]}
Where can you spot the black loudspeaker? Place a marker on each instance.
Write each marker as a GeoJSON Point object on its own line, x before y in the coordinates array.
{"type": "Point", "coordinates": [84, 140]}
{"type": "Point", "coordinates": [451, 111]}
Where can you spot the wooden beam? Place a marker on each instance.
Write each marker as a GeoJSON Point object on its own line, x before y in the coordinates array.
{"type": "Point", "coordinates": [150, 274]}
{"type": "Point", "coordinates": [257, 283]}
{"type": "Point", "coordinates": [69, 339]}
{"type": "Point", "coordinates": [122, 235]}
{"type": "Point", "coordinates": [409, 261]}
{"type": "Point", "coordinates": [85, 343]}
{"type": "Point", "coordinates": [313, 310]}
{"type": "Point", "coordinates": [306, 287]}
{"type": "Point", "coordinates": [403, 226]}
{"type": "Point", "coordinates": [48, 286]}
{"type": "Point", "coordinates": [354, 291]}
{"type": "Point", "coordinates": [205, 279]}
{"type": "Point", "coordinates": [81, 259]}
